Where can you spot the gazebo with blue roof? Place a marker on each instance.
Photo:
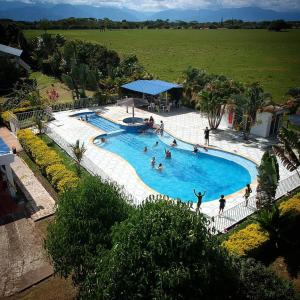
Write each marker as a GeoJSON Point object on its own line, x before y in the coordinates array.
{"type": "Point", "coordinates": [6, 158]}
{"type": "Point", "coordinates": [151, 87]}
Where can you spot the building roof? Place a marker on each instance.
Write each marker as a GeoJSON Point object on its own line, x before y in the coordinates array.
{"type": "Point", "coordinates": [10, 50]}
{"type": "Point", "coordinates": [151, 87]}
{"type": "Point", "coordinates": [4, 149]}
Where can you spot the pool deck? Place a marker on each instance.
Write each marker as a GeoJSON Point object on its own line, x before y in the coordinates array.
{"type": "Point", "coordinates": [184, 124]}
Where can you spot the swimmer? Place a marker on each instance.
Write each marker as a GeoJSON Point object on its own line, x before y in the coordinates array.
{"type": "Point", "coordinates": [86, 117]}
{"type": "Point", "coordinates": [196, 150]}
{"type": "Point", "coordinates": [152, 162]}
{"type": "Point", "coordinates": [145, 149]}
{"type": "Point", "coordinates": [156, 144]}
{"type": "Point", "coordinates": [174, 143]}
{"type": "Point", "coordinates": [160, 167]}
{"type": "Point", "coordinates": [168, 153]}
{"type": "Point", "coordinates": [103, 140]}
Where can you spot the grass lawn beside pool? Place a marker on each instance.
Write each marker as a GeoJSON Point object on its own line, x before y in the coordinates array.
{"type": "Point", "coordinates": [44, 84]}
{"type": "Point", "coordinates": [271, 58]}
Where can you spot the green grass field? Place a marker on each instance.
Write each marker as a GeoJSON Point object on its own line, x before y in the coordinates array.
{"type": "Point", "coordinates": [271, 58]}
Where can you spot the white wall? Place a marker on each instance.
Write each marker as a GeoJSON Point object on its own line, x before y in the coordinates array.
{"type": "Point", "coordinates": [263, 124]}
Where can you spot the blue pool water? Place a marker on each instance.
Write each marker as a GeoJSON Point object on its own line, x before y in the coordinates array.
{"type": "Point", "coordinates": [216, 172]}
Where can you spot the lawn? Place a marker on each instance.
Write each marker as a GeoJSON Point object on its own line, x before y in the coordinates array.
{"type": "Point", "coordinates": [271, 58]}
{"type": "Point", "coordinates": [45, 83]}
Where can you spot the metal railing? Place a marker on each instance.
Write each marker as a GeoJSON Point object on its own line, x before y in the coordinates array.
{"type": "Point", "coordinates": [240, 211]}
{"type": "Point", "coordinates": [27, 119]}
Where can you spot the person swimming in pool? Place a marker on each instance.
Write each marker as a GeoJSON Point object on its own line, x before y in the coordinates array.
{"type": "Point", "coordinates": [168, 153]}
{"type": "Point", "coordinates": [145, 149]}
{"type": "Point", "coordinates": [160, 167]}
{"type": "Point", "coordinates": [196, 149]}
{"type": "Point", "coordinates": [174, 143]}
{"type": "Point", "coordinates": [156, 144]}
{"type": "Point", "coordinates": [152, 162]}
{"type": "Point", "coordinates": [103, 140]}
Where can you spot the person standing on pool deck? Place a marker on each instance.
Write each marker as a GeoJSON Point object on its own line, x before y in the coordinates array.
{"type": "Point", "coordinates": [248, 191]}
{"type": "Point", "coordinates": [206, 136]}
{"type": "Point", "coordinates": [222, 204]}
{"type": "Point", "coordinates": [199, 202]}
{"type": "Point", "coordinates": [161, 127]}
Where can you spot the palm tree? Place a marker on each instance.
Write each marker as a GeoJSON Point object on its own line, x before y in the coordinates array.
{"type": "Point", "coordinates": [271, 221]}
{"type": "Point", "coordinates": [214, 97]}
{"type": "Point", "coordinates": [268, 178]}
{"type": "Point", "coordinates": [78, 152]}
{"type": "Point", "coordinates": [79, 78]}
{"type": "Point", "coordinates": [40, 125]}
{"type": "Point", "coordinates": [289, 151]}
{"type": "Point", "coordinates": [248, 104]}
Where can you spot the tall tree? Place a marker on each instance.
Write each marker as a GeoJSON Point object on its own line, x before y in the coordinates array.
{"type": "Point", "coordinates": [214, 97]}
{"type": "Point", "coordinates": [289, 150]}
{"type": "Point", "coordinates": [164, 251]}
{"type": "Point", "coordinates": [82, 226]}
{"type": "Point", "coordinates": [248, 104]}
{"type": "Point", "coordinates": [268, 178]}
{"type": "Point", "coordinates": [79, 78]}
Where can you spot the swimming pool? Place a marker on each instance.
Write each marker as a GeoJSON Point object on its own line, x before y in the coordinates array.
{"type": "Point", "coordinates": [214, 171]}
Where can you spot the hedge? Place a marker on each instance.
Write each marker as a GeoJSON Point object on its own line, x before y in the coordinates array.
{"type": "Point", "coordinates": [48, 161]}
{"type": "Point", "coordinates": [247, 241]}
{"type": "Point", "coordinates": [291, 206]}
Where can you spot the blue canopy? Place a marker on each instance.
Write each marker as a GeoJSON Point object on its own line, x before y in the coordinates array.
{"type": "Point", "coordinates": [151, 87]}
{"type": "Point", "coordinates": [4, 149]}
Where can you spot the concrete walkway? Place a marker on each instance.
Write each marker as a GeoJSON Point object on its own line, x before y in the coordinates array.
{"type": "Point", "coordinates": [40, 204]}
{"type": "Point", "coordinates": [23, 261]}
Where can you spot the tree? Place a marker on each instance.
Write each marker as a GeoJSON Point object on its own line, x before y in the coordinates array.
{"type": "Point", "coordinates": [256, 282]}
{"type": "Point", "coordinates": [163, 251]}
{"type": "Point", "coordinates": [40, 124]}
{"type": "Point", "coordinates": [247, 105]}
{"type": "Point", "coordinates": [194, 81]}
{"type": "Point", "coordinates": [79, 78]}
{"type": "Point", "coordinates": [214, 97]}
{"type": "Point", "coordinates": [82, 226]}
{"type": "Point", "coordinates": [268, 178]}
{"type": "Point", "coordinates": [289, 150]}
{"type": "Point", "coordinates": [278, 25]}
{"type": "Point", "coordinates": [78, 152]}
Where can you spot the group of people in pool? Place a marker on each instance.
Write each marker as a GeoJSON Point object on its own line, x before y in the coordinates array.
{"type": "Point", "coordinates": [222, 200]}
{"type": "Point", "coordinates": [85, 118]}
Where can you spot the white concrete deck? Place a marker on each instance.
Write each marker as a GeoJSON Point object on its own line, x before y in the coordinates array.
{"type": "Point", "coordinates": [184, 124]}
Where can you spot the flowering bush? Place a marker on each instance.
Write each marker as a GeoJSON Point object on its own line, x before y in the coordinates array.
{"type": "Point", "coordinates": [48, 161]}
{"type": "Point", "coordinates": [291, 206]}
{"type": "Point", "coordinates": [246, 241]}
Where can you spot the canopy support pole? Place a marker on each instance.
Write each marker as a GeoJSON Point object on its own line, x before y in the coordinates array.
{"type": "Point", "coordinates": [133, 114]}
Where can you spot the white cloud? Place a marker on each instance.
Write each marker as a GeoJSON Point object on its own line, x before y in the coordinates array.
{"type": "Point", "coordinates": [156, 5]}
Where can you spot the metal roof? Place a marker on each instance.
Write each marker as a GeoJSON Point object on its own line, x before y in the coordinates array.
{"type": "Point", "coordinates": [10, 50]}
{"type": "Point", "coordinates": [151, 87]}
{"type": "Point", "coordinates": [4, 149]}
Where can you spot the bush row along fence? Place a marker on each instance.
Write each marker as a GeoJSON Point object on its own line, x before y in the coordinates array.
{"type": "Point", "coordinates": [240, 211]}
{"type": "Point", "coordinates": [27, 119]}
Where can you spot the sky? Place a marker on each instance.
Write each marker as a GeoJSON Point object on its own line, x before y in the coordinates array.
{"type": "Point", "coordinates": [157, 5]}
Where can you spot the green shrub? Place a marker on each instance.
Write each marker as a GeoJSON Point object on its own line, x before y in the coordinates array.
{"type": "Point", "coordinates": [48, 161]}
{"type": "Point", "coordinates": [247, 241]}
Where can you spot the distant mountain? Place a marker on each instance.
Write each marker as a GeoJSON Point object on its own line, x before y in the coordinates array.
{"type": "Point", "coordinates": [40, 10]}
{"type": "Point", "coordinates": [20, 11]}
{"type": "Point", "coordinates": [243, 13]}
